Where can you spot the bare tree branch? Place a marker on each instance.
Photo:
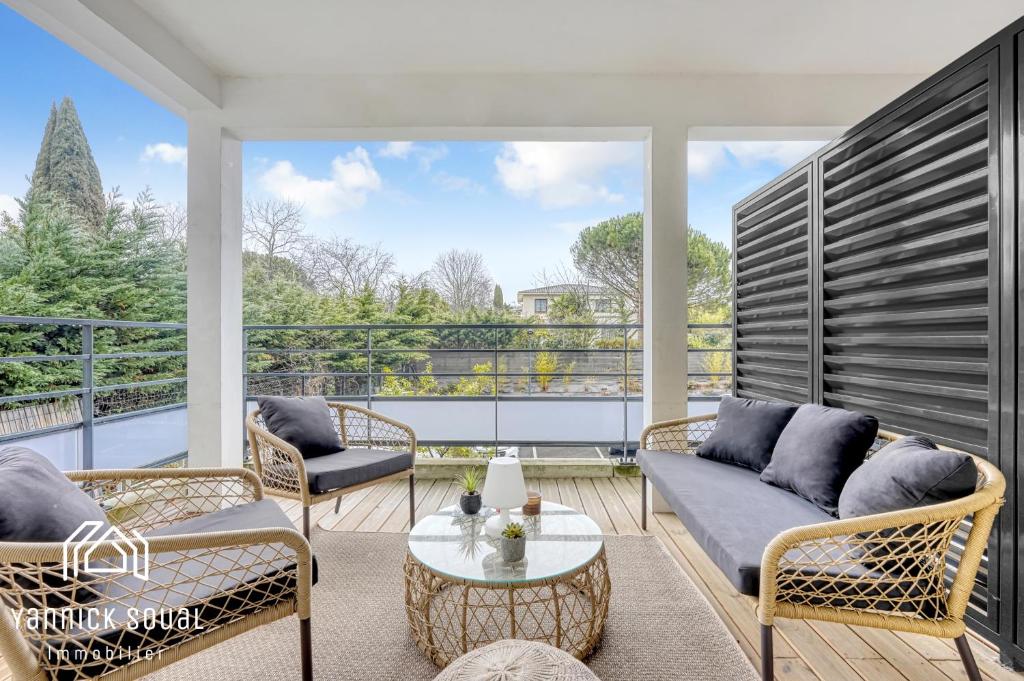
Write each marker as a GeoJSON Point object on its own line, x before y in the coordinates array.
{"type": "Point", "coordinates": [462, 280]}
{"type": "Point", "coordinates": [274, 228]}
{"type": "Point", "coordinates": [344, 267]}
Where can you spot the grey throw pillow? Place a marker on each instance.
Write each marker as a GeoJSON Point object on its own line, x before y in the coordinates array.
{"type": "Point", "coordinates": [39, 504]}
{"type": "Point", "coordinates": [907, 473]}
{"type": "Point", "coordinates": [303, 422]}
{"type": "Point", "coordinates": [746, 432]}
{"type": "Point", "coordinates": [818, 450]}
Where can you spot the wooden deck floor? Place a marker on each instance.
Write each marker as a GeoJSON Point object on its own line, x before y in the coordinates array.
{"type": "Point", "coordinates": [803, 650]}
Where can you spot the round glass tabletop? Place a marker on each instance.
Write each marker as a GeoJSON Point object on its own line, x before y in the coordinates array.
{"type": "Point", "coordinates": [559, 540]}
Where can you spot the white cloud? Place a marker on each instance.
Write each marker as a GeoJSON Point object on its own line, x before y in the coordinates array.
{"type": "Point", "coordinates": [9, 205]}
{"type": "Point", "coordinates": [704, 158]}
{"type": "Point", "coordinates": [396, 150]}
{"type": "Point", "coordinates": [426, 154]}
{"type": "Point", "coordinates": [352, 178]}
{"type": "Point", "coordinates": [165, 152]}
{"type": "Point", "coordinates": [457, 183]}
{"type": "Point", "coordinates": [563, 174]}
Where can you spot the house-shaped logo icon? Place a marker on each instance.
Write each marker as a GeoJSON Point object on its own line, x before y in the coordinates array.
{"type": "Point", "coordinates": [132, 553]}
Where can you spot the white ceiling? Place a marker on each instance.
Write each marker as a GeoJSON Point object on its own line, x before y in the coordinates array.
{"type": "Point", "coordinates": [289, 37]}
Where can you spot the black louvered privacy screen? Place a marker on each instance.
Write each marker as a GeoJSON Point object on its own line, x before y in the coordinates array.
{"type": "Point", "coordinates": [882, 275]}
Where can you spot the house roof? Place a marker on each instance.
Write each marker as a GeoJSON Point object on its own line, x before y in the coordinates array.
{"type": "Point", "coordinates": [562, 289]}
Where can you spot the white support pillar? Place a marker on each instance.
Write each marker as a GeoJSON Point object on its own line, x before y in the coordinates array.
{"type": "Point", "coordinates": [214, 295]}
{"type": "Point", "coordinates": [665, 279]}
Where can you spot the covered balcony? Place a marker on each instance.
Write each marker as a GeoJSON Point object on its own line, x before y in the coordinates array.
{"type": "Point", "coordinates": [876, 282]}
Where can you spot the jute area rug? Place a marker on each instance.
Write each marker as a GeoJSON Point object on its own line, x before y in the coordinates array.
{"type": "Point", "coordinates": [660, 627]}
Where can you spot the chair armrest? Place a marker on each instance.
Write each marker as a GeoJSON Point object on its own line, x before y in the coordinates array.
{"type": "Point", "coordinates": [678, 435]}
{"type": "Point", "coordinates": [885, 570]}
{"type": "Point", "coordinates": [145, 499]}
{"type": "Point", "coordinates": [270, 567]}
{"type": "Point", "coordinates": [359, 426]}
{"type": "Point", "coordinates": [278, 464]}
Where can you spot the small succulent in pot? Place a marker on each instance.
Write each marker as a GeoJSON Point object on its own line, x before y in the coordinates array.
{"type": "Point", "coordinates": [470, 501]}
{"type": "Point", "coordinates": [513, 543]}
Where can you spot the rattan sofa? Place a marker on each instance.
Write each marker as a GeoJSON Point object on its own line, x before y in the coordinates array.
{"type": "Point", "coordinates": [816, 569]}
{"type": "Point", "coordinates": [368, 438]}
{"type": "Point", "coordinates": [222, 558]}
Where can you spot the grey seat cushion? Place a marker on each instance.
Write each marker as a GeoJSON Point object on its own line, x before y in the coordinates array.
{"type": "Point", "coordinates": [728, 510]}
{"type": "Point", "coordinates": [237, 581]}
{"type": "Point", "coordinates": [353, 467]}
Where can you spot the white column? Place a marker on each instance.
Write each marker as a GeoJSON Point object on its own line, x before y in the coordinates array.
{"type": "Point", "coordinates": [665, 279]}
{"type": "Point", "coordinates": [214, 295]}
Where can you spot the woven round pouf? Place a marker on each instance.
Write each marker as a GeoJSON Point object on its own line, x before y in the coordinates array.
{"type": "Point", "coordinates": [514, 660]}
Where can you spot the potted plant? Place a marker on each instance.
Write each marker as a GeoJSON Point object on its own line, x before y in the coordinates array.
{"type": "Point", "coordinates": [513, 543]}
{"type": "Point", "coordinates": [470, 500]}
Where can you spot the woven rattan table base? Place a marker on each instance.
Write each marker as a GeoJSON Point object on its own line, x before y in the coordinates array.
{"type": "Point", "coordinates": [450, 617]}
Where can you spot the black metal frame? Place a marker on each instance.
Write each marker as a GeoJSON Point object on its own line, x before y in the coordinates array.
{"type": "Point", "coordinates": [998, 64]}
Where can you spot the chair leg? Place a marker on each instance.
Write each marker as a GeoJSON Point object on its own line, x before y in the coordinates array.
{"type": "Point", "coordinates": [305, 522]}
{"type": "Point", "coordinates": [337, 505]}
{"type": "Point", "coordinates": [767, 653]}
{"type": "Point", "coordinates": [306, 645]}
{"type": "Point", "coordinates": [412, 501]}
{"type": "Point", "coordinates": [964, 648]}
{"type": "Point", "coordinates": [643, 501]}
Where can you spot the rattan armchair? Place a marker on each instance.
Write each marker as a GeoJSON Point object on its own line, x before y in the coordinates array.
{"type": "Point", "coordinates": [283, 470]}
{"type": "Point", "coordinates": [227, 582]}
{"type": "Point", "coordinates": [885, 571]}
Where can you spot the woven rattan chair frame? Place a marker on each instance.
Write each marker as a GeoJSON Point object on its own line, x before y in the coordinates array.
{"type": "Point", "coordinates": [275, 565]}
{"type": "Point", "coordinates": [283, 472]}
{"type": "Point", "coordinates": [818, 572]}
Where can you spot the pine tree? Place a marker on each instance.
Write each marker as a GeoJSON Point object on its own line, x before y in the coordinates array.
{"type": "Point", "coordinates": [65, 169]}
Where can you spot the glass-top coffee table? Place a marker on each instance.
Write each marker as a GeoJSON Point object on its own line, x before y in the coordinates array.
{"type": "Point", "coordinates": [460, 595]}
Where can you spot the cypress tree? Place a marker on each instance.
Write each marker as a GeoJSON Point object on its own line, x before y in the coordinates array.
{"type": "Point", "coordinates": [499, 298]}
{"type": "Point", "coordinates": [65, 169]}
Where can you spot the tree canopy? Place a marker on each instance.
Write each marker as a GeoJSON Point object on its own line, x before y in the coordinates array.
{"type": "Point", "coordinates": [65, 169]}
{"type": "Point", "coordinates": [611, 253]}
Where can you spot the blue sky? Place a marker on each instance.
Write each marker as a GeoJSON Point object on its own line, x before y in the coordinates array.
{"type": "Point", "coordinates": [520, 204]}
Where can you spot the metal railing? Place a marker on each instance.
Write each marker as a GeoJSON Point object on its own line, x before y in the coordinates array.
{"type": "Point", "coordinates": [84, 351]}
{"type": "Point", "coordinates": [108, 371]}
{"type": "Point", "coordinates": [376, 362]}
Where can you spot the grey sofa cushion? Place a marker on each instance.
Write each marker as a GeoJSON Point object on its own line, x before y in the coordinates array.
{"type": "Point", "coordinates": [746, 432]}
{"type": "Point", "coordinates": [728, 510]}
{"type": "Point", "coordinates": [907, 473]}
{"type": "Point", "coordinates": [818, 450]}
{"type": "Point", "coordinates": [37, 502]}
{"type": "Point", "coordinates": [233, 583]}
{"type": "Point", "coordinates": [303, 422]}
{"type": "Point", "coordinates": [353, 467]}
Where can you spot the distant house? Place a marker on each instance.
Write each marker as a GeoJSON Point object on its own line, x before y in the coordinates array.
{"type": "Point", "coordinates": [536, 302]}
